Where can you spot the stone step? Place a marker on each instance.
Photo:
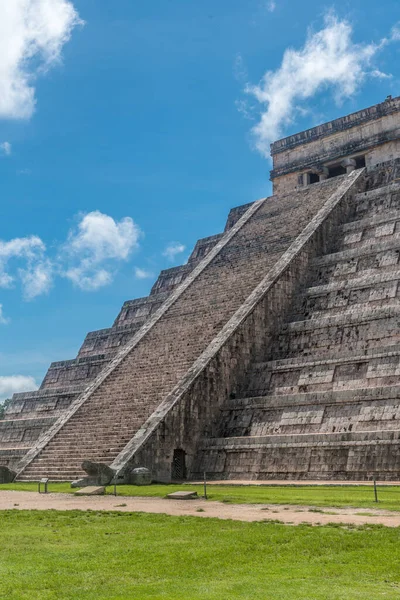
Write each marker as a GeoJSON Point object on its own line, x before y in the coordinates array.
{"type": "Point", "coordinates": [75, 371]}
{"type": "Point", "coordinates": [68, 452]}
{"type": "Point", "coordinates": [78, 435]}
{"type": "Point", "coordinates": [69, 445]}
{"type": "Point", "coordinates": [371, 221]}
{"type": "Point", "coordinates": [373, 258]}
{"type": "Point", "coordinates": [331, 397]}
{"type": "Point", "coordinates": [377, 368]}
{"type": "Point", "coordinates": [352, 438]}
{"type": "Point", "coordinates": [383, 229]}
{"type": "Point", "coordinates": [42, 403]}
{"type": "Point", "coordinates": [340, 356]}
{"type": "Point", "coordinates": [53, 476]}
{"type": "Point", "coordinates": [376, 192]}
{"type": "Point", "coordinates": [351, 255]}
{"type": "Point", "coordinates": [378, 200]}
{"type": "Point", "coordinates": [110, 339]}
{"type": "Point", "coordinates": [345, 332]}
{"type": "Point", "coordinates": [17, 448]}
{"type": "Point", "coordinates": [81, 455]}
{"type": "Point", "coordinates": [72, 462]}
{"type": "Point", "coordinates": [27, 422]}
{"type": "Point", "coordinates": [335, 456]}
{"type": "Point", "coordinates": [365, 409]}
{"type": "Point", "coordinates": [57, 469]}
{"type": "Point", "coordinates": [346, 317]}
{"type": "Point", "coordinates": [364, 280]}
{"type": "Point", "coordinates": [69, 470]}
{"type": "Point", "coordinates": [81, 432]}
{"type": "Point", "coordinates": [357, 293]}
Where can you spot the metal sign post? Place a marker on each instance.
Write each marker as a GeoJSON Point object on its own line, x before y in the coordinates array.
{"type": "Point", "coordinates": [45, 482]}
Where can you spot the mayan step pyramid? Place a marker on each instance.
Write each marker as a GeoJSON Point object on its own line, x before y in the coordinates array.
{"type": "Point", "coordinates": [274, 353]}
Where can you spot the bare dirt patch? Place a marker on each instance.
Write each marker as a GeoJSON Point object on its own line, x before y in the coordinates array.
{"type": "Point", "coordinates": [289, 514]}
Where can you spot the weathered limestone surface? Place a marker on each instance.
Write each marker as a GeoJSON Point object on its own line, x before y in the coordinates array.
{"type": "Point", "coordinates": [140, 476]}
{"type": "Point", "coordinates": [274, 352]}
{"type": "Point", "coordinates": [6, 475]}
{"type": "Point", "coordinates": [31, 414]}
{"type": "Point", "coordinates": [373, 133]}
{"type": "Point", "coordinates": [98, 430]}
{"type": "Point", "coordinates": [328, 404]}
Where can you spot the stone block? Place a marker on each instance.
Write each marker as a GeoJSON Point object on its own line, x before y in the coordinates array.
{"type": "Point", "coordinates": [98, 474]}
{"type": "Point", "coordinates": [91, 491]}
{"type": "Point", "coordinates": [6, 475]}
{"type": "Point", "coordinates": [182, 495]}
{"type": "Point", "coordinates": [140, 476]}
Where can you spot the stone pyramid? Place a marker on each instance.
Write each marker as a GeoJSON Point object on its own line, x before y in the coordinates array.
{"type": "Point", "coordinates": [273, 353]}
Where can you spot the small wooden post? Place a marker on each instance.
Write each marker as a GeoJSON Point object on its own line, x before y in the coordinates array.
{"type": "Point", "coordinates": [205, 486]}
{"type": "Point", "coordinates": [115, 489]}
{"type": "Point", "coordinates": [375, 490]}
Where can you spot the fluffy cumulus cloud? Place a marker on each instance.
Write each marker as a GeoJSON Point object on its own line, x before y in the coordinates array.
{"type": "Point", "coordinates": [5, 148]}
{"type": "Point", "coordinates": [88, 258]}
{"type": "Point", "coordinates": [95, 245]}
{"type": "Point", "coordinates": [32, 35]}
{"type": "Point", "coordinates": [143, 273]}
{"type": "Point", "coordinates": [12, 384]}
{"type": "Point", "coordinates": [173, 249]}
{"type": "Point", "coordinates": [329, 59]}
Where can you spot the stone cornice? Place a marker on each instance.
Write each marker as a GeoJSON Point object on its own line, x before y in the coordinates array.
{"type": "Point", "coordinates": [343, 123]}
{"type": "Point", "coordinates": [346, 150]}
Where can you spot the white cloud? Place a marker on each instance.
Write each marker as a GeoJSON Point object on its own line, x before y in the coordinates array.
{"type": "Point", "coordinates": [173, 249]}
{"type": "Point", "coordinates": [32, 35]}
{"type": "Point", "coordinates": [142, 273]}
{"type": "Point", "coordinates": [329, 59]}
{"type": "Point", "coordinates": [12, 384]}
{"type": "Point", "coordinates": [395, 33]}
{"type": "Point", "coordinates": [36, 275]}
{"type": "Point", "coordinates": [37, 278]}
{"type": "Point", "coordinates": [5, 148]}
{"type": "Point", "coordinates": [95, 245]}
{"type": "Point", "coordinates": [88, 258]}
{"type": "Point", "coordinates": [3, 319]}
{"type": "Point", "coordinates": [271, 6]}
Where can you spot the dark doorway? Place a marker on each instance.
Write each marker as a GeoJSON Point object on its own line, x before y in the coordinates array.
{"type": "Point", "coordinates": [360, 162]}
{"type": "Point", "coordinates": [334, 171]}
{"type": "Point", "coordinates": [178, 465]}
{"type": "Point", "coordinates": [314, 178]}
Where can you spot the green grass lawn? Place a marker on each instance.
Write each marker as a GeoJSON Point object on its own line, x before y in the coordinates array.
{"type": "Point", "coordinates": [338, 496]}
{"type": "Point", "coordinates": [48, 555]}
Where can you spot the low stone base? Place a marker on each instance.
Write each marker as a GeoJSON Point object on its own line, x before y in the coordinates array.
{"type": "Point", "coordinates": [91, 491]}
{"type": "Point", "coordinates": [182, 495]}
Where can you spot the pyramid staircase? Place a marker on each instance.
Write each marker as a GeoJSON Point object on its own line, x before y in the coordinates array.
{"type": "Point", "coordinates": [324, 403]}
{"type": "Point", "coordinates": [142, 399]}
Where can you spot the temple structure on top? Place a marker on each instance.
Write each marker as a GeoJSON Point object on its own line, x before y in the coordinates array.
{"type": "Point", "coordinates": [273, 353]}
{"type": "Point", "coordinates": [365, 138]}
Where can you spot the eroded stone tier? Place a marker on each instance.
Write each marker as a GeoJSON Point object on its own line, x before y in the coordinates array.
{"type": "Point", "coordinates": [147, 370]}
{"type": "Point", "coordinates": [325, 402]}
{"type": "Point", "coordinates": [31, 414]}
{"type": "Point", "coordinates": [274, 352]}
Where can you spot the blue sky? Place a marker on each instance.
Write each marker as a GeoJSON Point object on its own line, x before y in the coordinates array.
{"type": "Point", "coordinates": [127, 129]}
